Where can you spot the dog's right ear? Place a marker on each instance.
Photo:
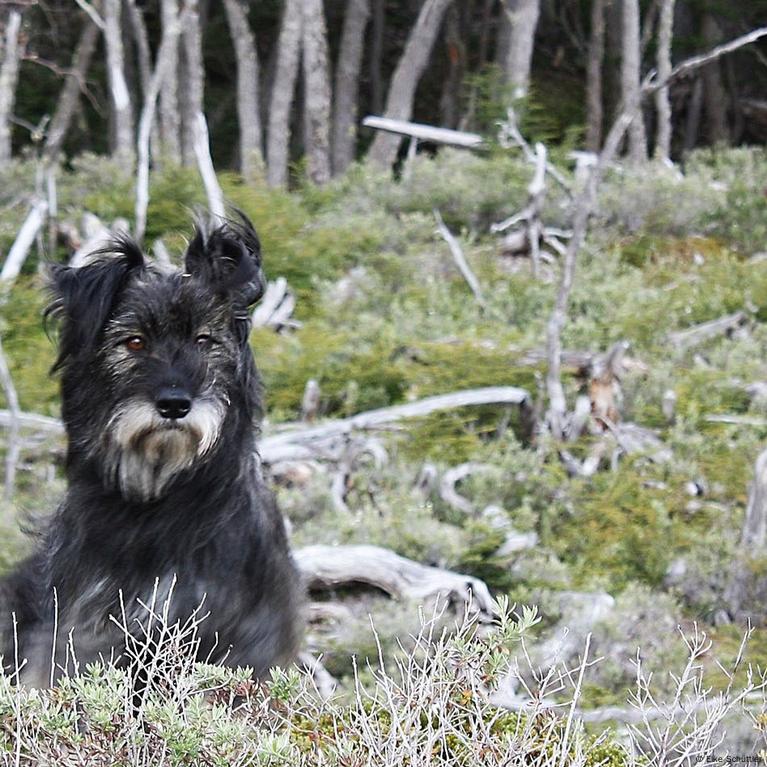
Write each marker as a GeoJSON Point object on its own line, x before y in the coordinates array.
{"type": "Point", "coordinates": [84, 297]}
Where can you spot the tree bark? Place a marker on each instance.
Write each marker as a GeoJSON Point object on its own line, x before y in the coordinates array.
{"type": "Point", "coordinates": [630, 79]}
{"type": "Point", "coordinates": [714, 94]}
{"type": "Point", "coordinates": [347, 84]}
{"type": "Point", "coordinates": [283, 87]}
{"type": "Point", "coordinates": [376, 57]}
{"type": "Point", "coordinates": [316, 92]}
{"type": "Point", "coordinates": [596, 53]}
{"type": "Point", "coordinates": [523, 18]}
{"type": "Point", "coordinates": [170, 117]}
{"type": "Point", "coordinates": [399, 104]}
{"type": "Point", "coordinates": [70, 93]}
{"type": "Point", "coordinates": [662, 103]}
{"type": "Point", "coordinates": [754, 531]}
{"type": "Point", "coordinates": [12, 52]}
{"type": "Point", "coordinates": [193, 76]}
{"type": "Point", "coordinates": [122, 110]}
{"type": "Point", "coordinates": [248, 111]}
{"type": "Point", "coordinates": [450, 99]}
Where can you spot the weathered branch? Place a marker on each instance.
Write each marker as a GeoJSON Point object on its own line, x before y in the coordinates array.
{"type": "Point", "coordinates": [373, 419]}
{"type": "Point", "coordinates": [12, 450]}
{"type": "Point", "coordinates": [324, 567]}
{"type": "Point", "coordinates": [24, 240]}
{"type": "Point", "coordinates": [207, 171]}
{"type": "Point", "coordinates": [698, 334]}
{"type": "Point", "coordinates": [460, 260]}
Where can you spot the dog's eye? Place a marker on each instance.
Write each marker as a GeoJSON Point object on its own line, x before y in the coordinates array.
{"type": "Point", "coordinates": [136, 344]}
{"type": "Point", "coordinates": [204, 340]}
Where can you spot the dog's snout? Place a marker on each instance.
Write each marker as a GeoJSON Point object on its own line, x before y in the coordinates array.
{"type": "Point", "coordinates": [173, 402]}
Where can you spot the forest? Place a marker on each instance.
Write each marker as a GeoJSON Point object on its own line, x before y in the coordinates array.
{"type": "Point", "coordinates": [513, 346]}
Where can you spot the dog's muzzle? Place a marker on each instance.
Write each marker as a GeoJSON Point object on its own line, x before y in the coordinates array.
{"type": "Point", "coordinates": [149, 443]}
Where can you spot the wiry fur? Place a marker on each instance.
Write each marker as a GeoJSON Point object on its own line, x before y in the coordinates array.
{"type": "Point", "coordinates": [152, 499]}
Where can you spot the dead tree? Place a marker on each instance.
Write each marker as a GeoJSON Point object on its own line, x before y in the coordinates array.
{"type": "Point", "coordinates": [122, 109]}
{"type": "Point", "coordinates": [12, 51]}
{"type": "Point", "coordinates": [12, 452]}
{"type": "Point", "coordinates": [345, 94]}
{"type": "Point", "coordinates": [69, 97]}
{"type": "Point", "coordinates": [248, 111]}
{"type": "Point", "coordinates": [523, 18]}
{"type": "Point", "coordinates": [283, 87]}
{"type": "Point", "coordinates": [753, 534]}
{"type": "Point", "coordinates": [399, 103]}
{"type": "Point", "coordinates": [631, 77]}
{"type": "Point", "coordinates": [170, 117]}
{"type": "Point", "coordinates": [316, 92]}
{"type": "Point", "coordinates": [596, 54]}
{"type": "Point", "coordinates": [192, 93]}
{"type": "Point", "coordinates": [662, 103]}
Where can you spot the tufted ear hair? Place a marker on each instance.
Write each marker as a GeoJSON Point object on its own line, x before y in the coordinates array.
{"type": "Point", "coordinates": [228, 258]}
{"type": "Point", "coordinates": [84, 297]}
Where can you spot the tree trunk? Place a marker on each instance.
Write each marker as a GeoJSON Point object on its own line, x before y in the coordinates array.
{"type": "Point", "coordinates": [714, 94]}
{"type": "Point", "coordinates": [170, 117]}
{"type": "Point", "coordinates": [283, 87]}
{"type": "Point", "coordinates": [753, 534]}
{"type": "Point", "coordinates": [122, 111]}
{"type": "Point", "coordinates": [630, 78]}
{"type": "Point", "coordinates": [662, 103]}
{"type": "Point", "coordinates": [248, 112]}
{"type": "Point", "coordinates": [694, 109]}
{"type": "Point", "coordinates": [399, 104]}
{"type": "Point", "coordinates": [193, 78]}
{"type": "Point", "coordinates": [523, 18]}
{"type": "Point", "coordinates": [12, 52]}
{"type": "Point", "coordinates": [316, 92]}
{"type": "Point", "coordinates": [70, 93]}
{"type": "Point", "coordinates": [596, 54]}
{"type": "Point", "coordinates": [347, 84]}
{"type": "Point", "coordinates": [376, 57]}
{"type": "Point", "coordinates": [450, 99]}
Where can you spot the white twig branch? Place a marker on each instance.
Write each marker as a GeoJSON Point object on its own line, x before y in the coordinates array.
{"type": "Point", "coordinates": [460, 259]}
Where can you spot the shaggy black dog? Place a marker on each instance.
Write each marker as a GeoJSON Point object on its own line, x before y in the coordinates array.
{"type": "Point", "coordinates": [161, 399]}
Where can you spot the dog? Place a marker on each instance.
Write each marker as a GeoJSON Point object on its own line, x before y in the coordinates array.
{"type": "Point", "coordinates": [165, 496]}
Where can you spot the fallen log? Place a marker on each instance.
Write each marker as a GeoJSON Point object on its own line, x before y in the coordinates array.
{"type": "Point", "coordinates": [324, 567]}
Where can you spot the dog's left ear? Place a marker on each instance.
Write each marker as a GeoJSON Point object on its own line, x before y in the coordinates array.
{"type": "Point", "coordinates": [229, 260]}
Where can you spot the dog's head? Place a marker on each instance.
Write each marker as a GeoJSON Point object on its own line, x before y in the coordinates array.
{"type": "Point", "coordinates": [154, 362]}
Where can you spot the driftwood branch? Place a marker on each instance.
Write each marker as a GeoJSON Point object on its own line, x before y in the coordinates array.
{"type": "Point", "coordinates": [421, 132]}
{"type": "Point", "coordinates": [24, 241]}
{"type": "Point", "coordinates": [298, 435]}
{"type": "Point", "coordinates": [698, 334]}
{"type": "Point", "coordinates": [324, 567]}
{"type": "Point", "coordinates": [447, 486]}
{"type": "Point", "coordinates": [12, 454]}
{"type": "Point", "coordinates": [460, 259]}
{"type": "Point", "coordinates": [207, 171]}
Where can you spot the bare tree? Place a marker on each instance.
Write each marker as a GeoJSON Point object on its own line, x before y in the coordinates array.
{"type": "Point", "coordinates": [376, 56]}
{"type": "Point", "coordinates": [596, 54]}
{"type": "Point", "coordinates": [347, 83]}
{"type": "Point", "coordinates": [70, 94]}
{"type": "Point", "coordinates": [662, 103]}
{"type": "Point", "coordinates": [122, 109]}
{"type": "Point", "coordinates": [248, 112]}
{"type": "Point", "coordinates": [316, 92]}
{"type": "Point", "coordinates": [283, 87]}
{"type": "Point", "coordinates": [399, 103]}
{"type": "Point", "coordinates": [194, 78]}
{"type": "Point", "coordinates": [523, 18]}
{"type": "Point", "coordinates": [12, 52]}
{"type": "Point", "coordinates": [170, 117]}
{"type": "Point", "coordinates": [630, 78]}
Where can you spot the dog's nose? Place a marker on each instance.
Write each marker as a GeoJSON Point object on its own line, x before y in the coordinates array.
{"type": "Point", "coordinates": [173, 402]}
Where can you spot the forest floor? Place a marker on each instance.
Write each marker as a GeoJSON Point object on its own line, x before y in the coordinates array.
{"type": "Point", "coordinates": [385, 317]}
